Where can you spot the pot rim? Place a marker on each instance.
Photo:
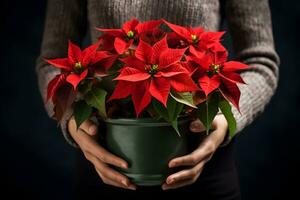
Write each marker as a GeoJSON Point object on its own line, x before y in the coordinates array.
{"type": "Point", "coordinates": [143, 121]}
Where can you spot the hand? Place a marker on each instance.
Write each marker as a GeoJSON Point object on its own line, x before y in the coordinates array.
{"type": "Point", "coordinates": [85, 136]}
{"type": "Point", "coordinates": [197, 159]}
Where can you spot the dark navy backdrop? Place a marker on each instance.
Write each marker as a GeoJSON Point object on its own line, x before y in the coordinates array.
{"type": "Point", "coordinates": [37, 162]}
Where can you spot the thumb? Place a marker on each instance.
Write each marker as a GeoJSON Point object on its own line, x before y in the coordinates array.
{"type": "Point", "coordinates": [89, 127]}
{"type": "Point", "coordinates": [197, 126]}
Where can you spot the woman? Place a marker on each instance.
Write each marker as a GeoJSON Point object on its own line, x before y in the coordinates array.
{"type": "Point", "coordinates": [249, 24]}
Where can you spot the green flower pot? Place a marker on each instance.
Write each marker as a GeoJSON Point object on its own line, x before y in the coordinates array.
{"type": "Point", "coordinates": [147, 145]}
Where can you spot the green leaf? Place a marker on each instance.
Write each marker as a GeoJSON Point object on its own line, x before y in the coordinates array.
{"type": "Point", "coordinates": [171, 113]}
{"type": "Point", "coordinates": [226, 110]}
{"type": "Point", "coordinates": [96, 98]}
{"type": "Point", "coordinates": [82, 111]}
{"type": "Point", "coordinates": [160, 109]}
{"type": "Point", "coordinates": [174, 124]}
{"type": "Point", "coordinates": [208, 110]}
{"type": "Point", "coordinates": [85, 86]}
{"type": "Point", "coordinates": [184, 98]}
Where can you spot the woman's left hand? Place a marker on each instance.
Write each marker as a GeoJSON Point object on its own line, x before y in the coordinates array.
{"type": "Point", "coordinates": [197, 159]}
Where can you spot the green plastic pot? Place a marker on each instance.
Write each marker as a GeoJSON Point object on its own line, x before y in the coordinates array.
{"type": "Point", "coordinates": [147, 145]}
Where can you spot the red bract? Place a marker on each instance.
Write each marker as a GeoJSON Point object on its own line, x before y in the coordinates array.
{"type": "Point", "coordinates": [121, 39]}
{"type": "Point", "coordinates": [214, 71]}
{"type": "Point", "coordinates": [75, 67]}
{"type": "Point", "coordinates": [152, 72]}
{"type": "Point", "coordinates": [185, 36]}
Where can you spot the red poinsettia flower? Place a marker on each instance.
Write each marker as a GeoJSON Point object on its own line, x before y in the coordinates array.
{"type": "Point", "coordinates": [152, 72]}
{"type": "Point", "coordinates": [184, 36]}
{"type": "Point", "coordinates": [189, 34]}
{"type": "Point", "coordinates": [75, 67]}
{"type": "Point", "coordinates": [121, 39]}
{"type": "Point", "coordinates": [214, 71]}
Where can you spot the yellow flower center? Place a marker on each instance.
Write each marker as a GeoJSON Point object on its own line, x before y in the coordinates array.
{"type": "Point", "coordinates": [194, 38]}
{"type": "Point", "coordinates": [130, 34]}
{"type": "Point", "coordinates": [152, 69]}
{"type": "Point", "coordinates": [215, 68]}
{"type": "Point", "coordinates": [78, 67]}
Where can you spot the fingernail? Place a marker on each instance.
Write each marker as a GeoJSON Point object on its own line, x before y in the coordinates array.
{"type": "Point", "coordinates": [164, 187]}
{"type": "Point", "coordinates": [169, 181]}
{"type": "Point", "coordinates": [132, 187]}
{"type": "Point", "coordinates": [172, 164]}
{"type": "Point", "coordinates": [195, 126]}
{"type": "Point", "coordinates": [93, 130]}
{"type": "Point", "coordinates": [125, 183]}
{"type": "Point", "coordinates": [124, 166]}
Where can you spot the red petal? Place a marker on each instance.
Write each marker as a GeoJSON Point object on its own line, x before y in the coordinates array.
{"type": "Point", "coordinates": [75, 79]}
{"type": "Point", "coordinates": [148, 26]}
{"type": "Point", "coordinates": [189, 66]}
{"type": "Point", "coordinates": [152, 37]}
{"type": "Point", "coordinates": [141, 97]}
{"type": "Point", "coordinates": [232, 77]}
{"type": "Point", "coordinates": [220, 54]}
{"type": "Point", "coordinates": [234, 66]}
{"type": "Point", "coordinates": [108, 61]}
{"type": "Point", "coordinates": [171, 56]}
{"type": "Point", "coordinates": [160, 47]}
{"type": "Point", "coordinates": [130, 25]}
{"type": "Point", "coordinates": [195, 52]}
{"type": "Point", "coordinates": [120, 45]}
{"type": "Point", "coordinates": [62, 63]}
{"type": "Point", "coordinates": [183, 83]}
{"type": "Point", "coordinates": [209, 84]}
{"type": "Point", "coordinates": [107, 42]}
{"type": "Point", "coordinates": [89, 53]}
{"type": "Point", "coordinates": [144, 52]}
{"type": "Point", "coordinates": [74, 53]}
{"type": "Point", "coordinates": [100, 55]}
{"type": "Point", "coordinates": [112, 32]}
{"type": "Point", "coordinates": [218, 47]}
{"type": "Point", "coordinates": [132, 75]}
{"type": "Point", "coordinates": [204, 62]}
{"type": "Point", "coordinates": [173, 70]}
{"type": "Point", "coordinates": [122, 90]}
{"type": "Point", "coordinates": [231, 92]}
{"type": "Point", "coordinates": [197, 31]}
{"type": "Point", "coordinates": [54, 84]}
{"type": "Point", "coordinates": [173, 39]}
{"type": "Point", "coordinates": [133, 62]}
{"type": "Point", "coordinates": [208, 39]}
{"type": "Point", "coordinates": [160, 89]}
{"type": "Point", "coordinates": [180, 30]}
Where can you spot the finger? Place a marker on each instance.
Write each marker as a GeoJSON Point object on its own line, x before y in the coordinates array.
{"type": "Point", "coordinates": [110, 174]}
{"type": "Point", "coordinates": [89, 127]}
{"type": "Point", "coordinates": [91, 146]}
{"type": "Point", "coordinates": [197, 126]}
{"type": "Point", "coordinates": [202, 153]}
{"type": "Point", "coordinates": [178, 184]}
{"type": "Point", "coordinates": [191, 173]}
{"type": "Point", "coordinates": [113, 183]}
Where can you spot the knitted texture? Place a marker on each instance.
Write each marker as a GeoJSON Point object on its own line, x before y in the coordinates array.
{"type": "Point", "coordinates": [249, 24]}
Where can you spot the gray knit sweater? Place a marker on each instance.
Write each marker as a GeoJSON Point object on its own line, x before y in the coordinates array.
{"type": "Point", "coordinates": [249, 24]}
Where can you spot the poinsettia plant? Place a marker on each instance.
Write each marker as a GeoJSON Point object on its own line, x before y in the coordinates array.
{"type": "Point", "coordinates": [141, 70]}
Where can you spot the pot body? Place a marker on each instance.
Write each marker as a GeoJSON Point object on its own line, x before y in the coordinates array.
{"type": "Point", "coordinates": [147, 145]}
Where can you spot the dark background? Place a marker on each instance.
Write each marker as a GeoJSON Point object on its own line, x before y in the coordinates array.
{"type": "Point", "coordinates": [36, 161]}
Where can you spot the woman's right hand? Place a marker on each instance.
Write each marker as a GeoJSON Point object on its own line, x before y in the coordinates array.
{"type": "Point", "coordinates": [86, 138]}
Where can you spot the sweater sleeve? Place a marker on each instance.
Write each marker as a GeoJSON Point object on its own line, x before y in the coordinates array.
{"type": "Point", "coordinates": [250, 26]}
{"type": "Point", "coordinates": [65, 20]}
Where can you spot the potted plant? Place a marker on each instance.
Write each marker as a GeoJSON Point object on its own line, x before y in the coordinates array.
{"type": "Point", "coordinates": [145, 85]}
